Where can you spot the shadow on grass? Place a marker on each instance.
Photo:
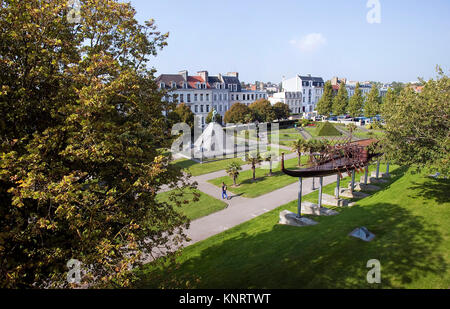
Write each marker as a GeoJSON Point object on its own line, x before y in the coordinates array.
{"type": "Point", "coordinates": [433, 189]}
{"type": "Point", "coordinates": [323, 256]}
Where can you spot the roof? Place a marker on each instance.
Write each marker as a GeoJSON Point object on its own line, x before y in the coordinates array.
{"type": "Point", "coordinates": [311, 78]}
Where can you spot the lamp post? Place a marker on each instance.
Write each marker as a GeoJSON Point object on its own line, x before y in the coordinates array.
{"type": "Point", "coordinates": [299, 207]}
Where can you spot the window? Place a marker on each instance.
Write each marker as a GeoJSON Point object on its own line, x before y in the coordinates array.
{"type": "Point", "coordinates": [220, 97]}
{"type": "Point", "coordinates": [198, 85]}
{"type": "Point", "coordinates": [162, 85]}
{"type": "Point", "coordinates": [181, 97]}
{"type": "Point", "coordinates": [195, 97]}
{"type": "Point", "coordinates": [207, 108]}
{"type": "Point", "coordinates": [225, 97]}
{"type": "Point", "coordinates": [189, 98]}
{"type": "Point", "coordinates": [232, 97]}
{"type": "Point", "coordinates": [201, 108]}
{"type": "Point", "coordinates": [196, 108]}
{"type": "Point", "coordinates": [207, 97]}
{"type": "Point", "coordinates": [174, 85]}
{"type": "Point", "coordinates": [201, 97]}
{"type": "Point", "coordinates": [215, 97]}
{"type": "Point", "coordinates": [235, 87]}
{"type": "Point", "coordinates": [220, 108]}
{"type": "Point", "coordinates": [237, 97]}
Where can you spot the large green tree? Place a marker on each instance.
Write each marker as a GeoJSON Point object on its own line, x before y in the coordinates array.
{"type": "Point", "coordinates": [325, 104]}
{"type": "Point", "coordinates": [263, 110]}
{"type": "Point", "coordinates": [356, 102]}
{"type": "Point", "coordinates": [372, 106]}
{"type": "Point", "coordinates": [418, 125]}
{"type": "Point", "coordinates": [340, 101]}
{"type": "Point", "coordinates": [82, 122]}
{"type": "Point", "coordinates": [238, 113]}
{"type": "Point", "coordinates": [281, 110]}
{"type": "Point", "coordinates": [185, 114]}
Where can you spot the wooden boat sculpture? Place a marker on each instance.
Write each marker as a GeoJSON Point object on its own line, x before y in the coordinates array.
{"type": "Point", "coordinates": [337, 159]}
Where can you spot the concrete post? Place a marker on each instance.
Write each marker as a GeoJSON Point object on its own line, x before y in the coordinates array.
{"type": "Point", "coordinates": [366, 174]}
{"type": "Point", "coordinates": [353, 182]}
{"type": "Point", "coordinates": [299, 207]}
{"type": "Point", "coordinates": [338, 182]}
{"type": "Point", "coordinates": [320, 191]}
{"type": "Point", "coordinates": [378, 168]}
{"type": "Point", "coordinates": [313, 184]}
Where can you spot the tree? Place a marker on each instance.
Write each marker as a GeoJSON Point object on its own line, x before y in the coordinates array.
{"type": "Point", "coordinates": [281, 110]}
{"type": "Point", "coordinates": [263, 110]}
{"type": "Point", "coordinates": [238, 113]}
{"type": "Point", "coordinates": [233, 171]}
{"type": "Point", "coordinates": [340, 101]}
{"type": "Point", "coordinates": [325, 104]}
{"type": "Point", "coordinates": [299, 146]}
{"type": "Point", "coordinates": [356, 103]}
{"type": "Point", "coordinates": [373, 103]}
{"type": "Point", "coordinates": [185, 113]}
{"type": "Point", "coordinates": [82, 122]}
{"type": "Point", "coordinates": [269, 157]}
{"type": "Point", "coordinates": [389, 100]}
{"type": "Point", "coordinates": [351, 127]}
{"type": "Point", "coordinates": [417, 127]}
{"type": "Point", "coordinates": [254, 159]}
{"type": "Point", "coordinates": [210, 116]}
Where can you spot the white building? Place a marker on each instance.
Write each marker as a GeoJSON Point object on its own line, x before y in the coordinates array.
{"type": "Point", "coordinates": [203, 92]}
{"type": "Point", "coordinates": [292, 98]}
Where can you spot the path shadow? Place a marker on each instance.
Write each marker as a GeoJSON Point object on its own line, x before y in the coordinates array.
{"type": "Point", "coordinates": [235, 195]}
{"type": "Point", "coordinates": [322, 256]}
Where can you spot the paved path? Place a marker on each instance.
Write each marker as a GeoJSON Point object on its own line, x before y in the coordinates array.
{"type": "Point", "coordinates": [244, 209]}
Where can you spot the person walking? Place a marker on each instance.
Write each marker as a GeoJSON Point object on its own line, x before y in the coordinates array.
{"type": "Point", "coordinates": [224, 191]}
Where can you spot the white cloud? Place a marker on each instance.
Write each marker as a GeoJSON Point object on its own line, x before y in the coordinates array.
{"type": "Point", "coordinates": [310, 42]}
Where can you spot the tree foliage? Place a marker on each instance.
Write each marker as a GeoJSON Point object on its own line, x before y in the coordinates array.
{"type": "Point", "coordinates": [185, 114]}
{"type": "Point", "coordinates": [340, 101]}
{"type": "Point", "coordinates": [233, 169]}
{"type": "Point", "coordinates": [325, 104]}
{"type": "Point", "coordinates": [281, 110]}
{"type": "Point", "coordinates": [238, 113]}
{"type": "Point", "coordinates": [81, 123]}
{"type": "Point", "coordinates": [263, 110]}
{"type": "Point", "coordinates": [356, 103]}
{"type": "Point", "coordinates": [372, 106]}
{"type": "Point", "coordinates": [417, 126]}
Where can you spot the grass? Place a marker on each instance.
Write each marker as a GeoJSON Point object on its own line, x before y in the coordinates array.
{"type": "Point", "coordinates": [410, 219]}
{"type": "Point", "coordinates": [197, 169]}
{"type": "Point", "coordinates": [194, 210]}
{"type": "Point", "coordinates": [263, 184]}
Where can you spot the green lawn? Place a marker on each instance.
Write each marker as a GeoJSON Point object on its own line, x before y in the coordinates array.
{"type": "Point", "coordinates": [263, 184]}
{"type": "Point", "coordinates": [193, 210]}
{"type": "Point", "coordinates": [410, 219]}
{"type": "Point", "coordinates": [197, 169]}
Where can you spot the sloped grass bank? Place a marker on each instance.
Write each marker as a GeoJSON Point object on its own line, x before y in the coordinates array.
{"type": "Point", "coordinates": [410, 219]}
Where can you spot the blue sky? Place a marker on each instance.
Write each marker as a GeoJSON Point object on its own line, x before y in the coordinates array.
{"type": "Point", "coordinates": [265, 40]}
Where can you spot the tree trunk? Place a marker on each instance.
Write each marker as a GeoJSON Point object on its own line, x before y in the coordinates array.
{"type": "Point", "coordinates": [270, 170]}
{"type": "Point", "coordinates": [234, 181]}
{"type": "Point", "coordinates": [254, 171]}
{"type": "Point", "coordinates": [299, 159]}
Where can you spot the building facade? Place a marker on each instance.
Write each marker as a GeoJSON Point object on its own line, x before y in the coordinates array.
{"type": "Point", "coordinates": [203, 92]}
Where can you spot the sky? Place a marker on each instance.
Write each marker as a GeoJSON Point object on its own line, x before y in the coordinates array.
{"type": "Point", "coordinates": [266, 40]}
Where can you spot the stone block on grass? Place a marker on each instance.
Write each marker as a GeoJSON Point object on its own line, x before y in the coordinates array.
{"type": "Point", "coordinates": [289, 218]}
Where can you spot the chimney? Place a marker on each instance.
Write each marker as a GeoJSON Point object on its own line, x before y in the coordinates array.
{"type": "Point", "coordinates": [204, 75]}
{"type": "Point", "coordinates": [184, 73]}
{"type": "Point", "coordinates": [234, 74]}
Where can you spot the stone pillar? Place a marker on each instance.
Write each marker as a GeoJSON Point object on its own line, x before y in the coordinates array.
{"type": "Point", "coordinates": [313, 184]}
{"type": "Point", "coordinates": [366, 174]}
{"type": "Point", "coordinates": [299, 207]}
{"type": "Point", "coordinates": [352, 187]}
{"type": "Point", "coordinates": [338, 182]}
{"type": "Point", "coordinates": [378, 169]}
{"type": "Point", "coordinates": [320, 191]}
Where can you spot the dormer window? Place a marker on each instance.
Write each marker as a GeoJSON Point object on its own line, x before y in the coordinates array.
{"type": "Point", "coordinates": [185, 85]}
{"type": "Point", "coordinates": [173, 85]}
{"type": "Point", "coordinates": [162, 86]}
{"type": "Point", "coordinates": [204, 85]}
{"type": "Point", "coordinates": [198, 86]}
